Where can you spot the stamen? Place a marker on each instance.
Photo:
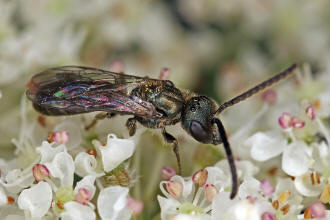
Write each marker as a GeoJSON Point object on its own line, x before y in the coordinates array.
{"type": "Point", "coordinates": [40, 172]}
{"type": "Point", "coordinates": [307, 213]}
{"type": "Point", "coordinates": [167, 173]}
{"type": "Point", "coordinates": [210, 192]}
{"type": "Point", "coordinates": [275, 204]}
{"type": "Point", "coordinates": [10, 200]}
{"type": "Point", "coordinates": [83, 196]}
{"type": "Point", "coordinates": [200, 177]}
{"type": "Point", "coordinates": [174, 188]}
{"type": "Point", "coordinates": [312, 178]}
{"type": "Point", "coordinates": [91, 152]}
{"type": "Point", "coordinates": [285, 209]}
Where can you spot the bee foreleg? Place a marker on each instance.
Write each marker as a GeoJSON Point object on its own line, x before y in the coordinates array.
{"type": "Point", "coordinates": [98, 117]}
{"type": "Point", "coordinates": [131, 126]}
{"type": "Point", "coordinates": [171, 140]}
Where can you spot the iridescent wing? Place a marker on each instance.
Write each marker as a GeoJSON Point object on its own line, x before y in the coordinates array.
{"type": "Point", "coordinates": [71, 90]}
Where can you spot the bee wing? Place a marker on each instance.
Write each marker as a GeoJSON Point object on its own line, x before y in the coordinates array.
{"type": "Point", "coordinates": [74, 89]}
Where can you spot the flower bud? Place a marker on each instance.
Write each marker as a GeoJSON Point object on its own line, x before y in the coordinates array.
{"type": "Point", "coordinates": [285, 120]}
{"type": "Point", "coordinates": [267, 216]}
{"type": "Point", "coordinates": [310, 112]}
{"type": "Point", "coordinates": [58, 137]}
{"type": "Point", "coordinates": [40, 172]}
{"type": "Point", "coordinates": [318, 209]}
{"type": "Point", "coordinates": [117, 66]}
{"type": "Point", "coordinates": [210, 192]}
{"type": "Point", "coordinates": [266, 187]}
{"type": "Point", "coordinates": [167, 173]}
{"type": "Point", "coordinates": [83, 196]}
{"type": "Point", "coordinates": [200, 177]}
{"type": "Point", "coordinates": [164, 73]}
{"type": "Point", "coordinates": [174, 188]}
{"type": "Point", "coordinates": [134, 205]}
{"type": "Point", "coordinates": [297, 123]}
{"type": "Point", "coordinates": [269, 97]}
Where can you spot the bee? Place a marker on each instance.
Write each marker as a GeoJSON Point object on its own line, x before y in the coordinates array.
{"type": "Point", "coordinates": [154, 103]}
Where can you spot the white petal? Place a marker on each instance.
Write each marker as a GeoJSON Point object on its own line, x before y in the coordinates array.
{"type": "Point", "coordinates": [295, 161]}
{"type": "Point", "coordinates": [115, 152]}
{"type": "Point", "coordinates": [306, 188]}
{"type": "Point", "coordinates": [36, 199]}
{"type": "Point", "coordinates": [168, 207]}
{"type": "Point", "coordinates": [249, 187]}
{"type": "Point", "coordinates": [85, 164]}
{"type": "Point", "coordinates": [48, 152]}
{"type": "Point", "coordinates": [88, 183]}
{"type": "Point", "coordinates": [77, 211]}
{"type": "Point", "coordinates": [221, 203]}
{"type": "Point", "coordinates": [111, 203]}
{"type": "Point", "coordinates": [16, 180]}
{"type": "Point", "coordinates": [188, 187]}
{"type": "Point", "coordinates": [62, 167]}
{"type": "Point", "coordinates": [217, 177]}
{"type": "Point", "coordinates": [266, 145]}
{"type": "Point", "coordinates": [3, 197]}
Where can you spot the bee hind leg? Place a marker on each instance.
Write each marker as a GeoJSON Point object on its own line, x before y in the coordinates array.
{"type": "Point", "coordinates": [171, 140]}
{"type": "Point", "coordinates": [98, 117]}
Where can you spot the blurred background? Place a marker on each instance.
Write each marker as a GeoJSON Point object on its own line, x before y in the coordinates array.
{"type": "Point", "coordinates": [214, 47]}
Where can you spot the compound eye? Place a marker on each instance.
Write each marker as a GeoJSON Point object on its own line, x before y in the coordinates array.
{"type": "Point", "coordinates": [198, 132]}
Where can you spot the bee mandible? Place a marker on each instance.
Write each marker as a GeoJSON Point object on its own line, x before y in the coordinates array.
{"type": "Point", "coordinates": [154, 103]}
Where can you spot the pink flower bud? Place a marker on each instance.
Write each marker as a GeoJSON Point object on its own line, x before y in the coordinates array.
{"type": "Point", "coordinates": [40, 172]}
{"type": "Point", "coordinates": [268, 216]}
{"type": "Point", "coordinates": [83, 196]}
{"type": "Point", "coordinates": [266, 187]}
{"type": "Point", "coordinates": [318, 209]}
{"type": "Point", "coordinates": [310, 112]}
{"type": "Point", "coordinates": [167, 173]}
{"type": "Point", "coordinates": [135, 206]}
{"type": "Point", "coordinates": [117, 66]}
{"type": "Point", "coordinates": [174, 188]}
{"type": "Point", "coordinates": [210, 192]}
{"type": "Point", "coordinates": [200, 177]}
{"type": "Point", "coordinates": [297, 123]}
{"type": "Point", "coordinates": [164, 73]}
{"type": "Point", "coordinates": [284, 120]}
{"type": "Point", "coordinates": [58, 137]}
{"type": "Point", "coordinates": [269, 97]}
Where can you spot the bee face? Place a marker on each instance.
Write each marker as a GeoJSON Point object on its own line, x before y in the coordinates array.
{"type": "Point", "coordinates": [197, 116]}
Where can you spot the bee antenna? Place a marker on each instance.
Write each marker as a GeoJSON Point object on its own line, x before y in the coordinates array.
{"type": "Point", "coordinates": [258, 88]}
{"type": "Point", "coordinates": [230, 158]}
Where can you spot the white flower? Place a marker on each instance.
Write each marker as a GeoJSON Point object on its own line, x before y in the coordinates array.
{"type": "Point", "coordinates": [86, 164]}
{"type": "Point", "coordinates": [296, 155]}
{"type": "Point", "coordinates": [36, 199]}
{"type": "Point", "coordinates": [112, 202]}
{"type": "Point", "coordinates": [77, 211]}
{"type": "Point", "coordinates": [114, 152]}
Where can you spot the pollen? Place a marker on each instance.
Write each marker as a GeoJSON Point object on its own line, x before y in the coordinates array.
{"type": "Point", "coordinates": [283, 197]}
{"type": "Point", "coordinates": [285, 209]}
{"type": "Point", "coordinates": [275, 204]}
{"type": "Point", "coordinates": [325, 196]}
{"type": "Point", "coordinates": [10, 200]}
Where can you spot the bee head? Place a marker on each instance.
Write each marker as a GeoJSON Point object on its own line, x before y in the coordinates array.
{"type": "Point", "coordinates": [197, 118]}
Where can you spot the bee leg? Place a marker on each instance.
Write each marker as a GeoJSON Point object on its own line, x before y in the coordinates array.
{"type": "Point", "coordinates": [98, 117]}
{"type": "Point", "coordinates": [131, 126]}
{"type": "Point", "coordinates": [171, 140]}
